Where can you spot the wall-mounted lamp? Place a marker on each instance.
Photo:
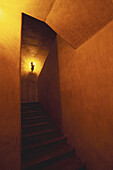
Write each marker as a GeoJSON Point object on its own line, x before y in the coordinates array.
{"type": "Point", "coordinates": [32, 66]}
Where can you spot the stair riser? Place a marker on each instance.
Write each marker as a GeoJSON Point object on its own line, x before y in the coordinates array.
{"type": "Point", "coordinates": [31, 105]}
{"type": "Point", "coordinates": [44, 148]}
{"type": "Point", "coordinates": [31, 109]}
{"type": "Point", "coordinates": [51, 161]}
{"type": "Point", "coordinates": [30, 114]}
{"type": "Point", "coordinates": [40, 138]}
{"type": "Point", "coordinates": [33, 121]}
{"type": "Point", "coordinates": [37, 128]}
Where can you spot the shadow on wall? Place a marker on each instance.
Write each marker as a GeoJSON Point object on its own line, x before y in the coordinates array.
{"type": "Point", "coordinates": [49, 86]}
{"type": "Point", "coordinates": [29, 91]}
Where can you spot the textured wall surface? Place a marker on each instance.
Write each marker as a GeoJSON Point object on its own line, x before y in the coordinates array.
{"type": "Point", "coordinates": [10, 35]}
{"type": "Point", "coordinates": [86, 97]}
{"type": "Point", "coordinates": [37, 38]}
{"type": "Point", "coordinates": [9, 89]}
{"type": "Point", "coordinates": [10, 40]}
{"type": "Point", "coordinates": [49, 87]}
{"type": "Point", "coordinates": [81, 18]}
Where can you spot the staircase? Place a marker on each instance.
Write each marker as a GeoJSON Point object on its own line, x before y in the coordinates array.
{"type": "Point", "coordinates": [43, 146]}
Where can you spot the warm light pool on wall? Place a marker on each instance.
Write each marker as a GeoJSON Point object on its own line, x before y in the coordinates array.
{"type": "Point", "coordinates": [32, 66]}
{"type": "Point", "coordinates": [1, 13]}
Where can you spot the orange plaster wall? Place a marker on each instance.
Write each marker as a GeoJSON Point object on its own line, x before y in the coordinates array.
{"type": "Point", "coordinates": [10, 32]}
{"type": "Point", "coordinates": [49, 87]}
{"type": "Point", "coordinates": [10, 40]}
{"type": "Point", "coordinates": [86, 83]}
{"type": "Point", "coordinates": [84, 93]}
{"type": "Point", "coordinates": [10, 89]}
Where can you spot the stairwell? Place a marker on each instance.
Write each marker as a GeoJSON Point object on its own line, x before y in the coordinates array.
{"type": "Point", "coordinates": [43, 146]}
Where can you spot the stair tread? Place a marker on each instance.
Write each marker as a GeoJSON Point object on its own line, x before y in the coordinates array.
{"type": "Point", "coordinates": [39, 133]}
{"type": "Point", "coordinates": [34, 111]}
{"type": "Point", "coordinates": [45, 147]}
{"type": "Point", "coordinates": [65, 149]}
{"type": "Point", "coordinates": [34, 117]}
{"type": "Point", "coordinates": [27, 105]}
{"type": "Point", "coordinates": [72, 163]}
{"type": "Point", "coordinates": [36, 124]}
{"type": "Point", "coordinates": [46, 142]}
{"type": "Point", "coordinates": [30, 103]}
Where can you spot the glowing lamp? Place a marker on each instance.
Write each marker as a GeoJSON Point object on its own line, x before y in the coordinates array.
{"type": "Point", "coordinates": [32, 66]}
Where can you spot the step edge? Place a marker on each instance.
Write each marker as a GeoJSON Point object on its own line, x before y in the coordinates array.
{"type": "Point", "coordinates": [49, 158]}
{"type": "Point", "coordinates": [34, 117]}
{"type": "Point", "coordinates": [36, 124]}
{"type": "Point", "coordinates": [58, 139]}
{"type": "Point", "coordinates": [39, 133]}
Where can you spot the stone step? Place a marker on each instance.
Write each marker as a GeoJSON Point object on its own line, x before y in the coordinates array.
{"type": "Point", "coordinates": [71, 163]}
{"type": "Point", "coordinates": [34, 119]}
{"type": "Point", "coordinates": [44, 143]}
{"type": "Point", "coordinates": [33, 113]}
{"type": "Point", "coordinates": [31, 138]}
{"type": "Point", "coordinates": [45, 146]}
{"type": "Point", "coordinates": [36, 127]}
{"type": "Point", "coordinates": [39, 161]}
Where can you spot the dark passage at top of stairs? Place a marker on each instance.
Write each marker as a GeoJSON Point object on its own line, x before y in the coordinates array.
{"type": "Point", "coordinates": [43, 146]}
